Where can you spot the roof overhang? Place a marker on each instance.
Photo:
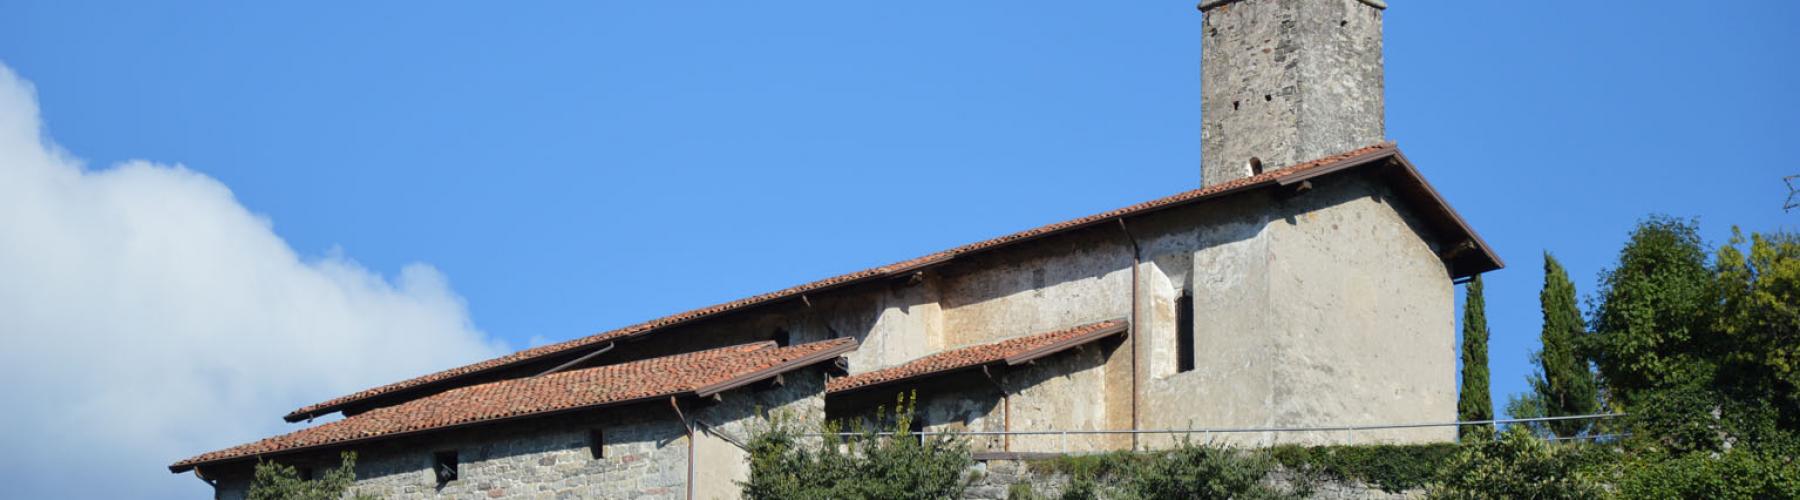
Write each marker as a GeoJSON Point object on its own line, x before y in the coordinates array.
{"type": "Point", "coordinates": [1462, 250]}
{"type": "Point", "coordinates": [1003, 358]}
{"type": "Point", "coordinates": [710, 390]}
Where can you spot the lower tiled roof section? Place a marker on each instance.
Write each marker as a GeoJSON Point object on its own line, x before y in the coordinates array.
{"type": "Point", "coordinates": [697, 373]}
{"type": "Point", "coordinates": [1277, 176]}
{"type": "Point", "coordinates": [1011, 351]}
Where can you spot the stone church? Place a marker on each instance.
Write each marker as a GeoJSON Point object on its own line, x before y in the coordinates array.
{"type": "Point", "coordinates": [1309, 281]}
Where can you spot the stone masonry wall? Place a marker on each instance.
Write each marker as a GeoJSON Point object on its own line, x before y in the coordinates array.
{"type": "Point", "coordinates": [645, 457]}
{"type": "Point", "coordinates": [1286, 81]}
{"type": "Point", "coordinates": [646, 452]}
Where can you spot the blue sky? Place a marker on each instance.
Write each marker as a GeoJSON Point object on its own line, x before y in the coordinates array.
{"type": "Point", "coordinates": [574, 167]}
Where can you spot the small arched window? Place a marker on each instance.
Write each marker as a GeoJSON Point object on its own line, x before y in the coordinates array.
{"type": "Point", "coordinates": [1256, 167]}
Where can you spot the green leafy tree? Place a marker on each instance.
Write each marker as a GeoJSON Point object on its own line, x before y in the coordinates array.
{"type": "Point", "coordinates": [1650, 324]}
{"type": "Point", "coordinates": [1475, 403]}
{"type": "Point", "coordinates": [1702, 356]}
{"type": "Point", "coordinates": [1566, 385]}
{"type": "Point", "coordinates": [1758, 295]}
{"type": "Point", "coordinates": [1529, 405]}
{"type": "Point", "coordinates": [275, 481]}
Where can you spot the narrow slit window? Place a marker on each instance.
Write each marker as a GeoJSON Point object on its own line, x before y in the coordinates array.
{"type": "Point", "coordinates": [1184, 332]}
{"type": "Point", "coordinates": [597, 444]}
{"type": "Point", "coordinates": [443, 464]}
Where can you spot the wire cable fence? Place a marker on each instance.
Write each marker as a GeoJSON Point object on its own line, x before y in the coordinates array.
{"type": "Point", "coordinates": [1271, 436]}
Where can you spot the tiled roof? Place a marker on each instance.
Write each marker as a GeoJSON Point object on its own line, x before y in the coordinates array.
{"type": "Point", "coordinates": [1280, 176]}
{"type": "Point", "coordinates": [699, 373]}
{"type": "Point", "coordinates": [1011, 351]}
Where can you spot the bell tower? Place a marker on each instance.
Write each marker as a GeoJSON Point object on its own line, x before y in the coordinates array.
{"type": "Point", "coordinates": [1285, 81]}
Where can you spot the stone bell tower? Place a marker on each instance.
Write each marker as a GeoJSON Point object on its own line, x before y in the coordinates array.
{"type": "Point", "coordinates": [1285, 81]}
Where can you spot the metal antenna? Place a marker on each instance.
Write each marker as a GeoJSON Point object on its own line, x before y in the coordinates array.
{"type": "Point", "coordinates": [1792, 193]}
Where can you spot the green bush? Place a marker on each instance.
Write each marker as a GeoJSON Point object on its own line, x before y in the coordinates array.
{"type": "Point", "coordinates": [1735, 474]}
{"type": "Point", "coordinates": [1188, 471]}
{"type": "Point", "coordinates": [1202, 472]}
{"type": "Point", "coordinates": [867, 466]}
{"type": "Point", "coordinates": [1081, 489]}
{"type": "Point", "coordinates": [1393, 468]}
{"type": "Point", "coordinates": [1518, 465]}
{"type": "Point", "coordinates": [1022, 491]}
{"type": "Point", "coordinates": [275, 481]}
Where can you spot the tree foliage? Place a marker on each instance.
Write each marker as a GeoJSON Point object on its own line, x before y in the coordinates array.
{"type": "Point", "coordinates": [1650, 324]}
{"type": "Point", "coordinates": [1758, 296]}
{"type": "Point", "coordinates": [1565, 385]}
{"type": "Point", "coordinates": [276, 481]}
{"type": "Point", "coordinates": [1739, 473]}
{"type": "Point", "coordinates": [871, 465]}
{"type": "Point", "coordinates": [1702, 355]}
{"type": "Point", "coordinates": [1474, 402]}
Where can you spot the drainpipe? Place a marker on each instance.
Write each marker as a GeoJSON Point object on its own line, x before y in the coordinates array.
{"type": "Point", "coordinates": [692, 459]}
{"type": "Point", "coordinates": [1005, 411]}
{"type": "Point", "coordinates": [1136, 261]}
{"type": "Point", "coordinates": [202, 477]}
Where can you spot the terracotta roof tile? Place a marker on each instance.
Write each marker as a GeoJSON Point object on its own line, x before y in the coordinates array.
{"type": "Point", "coordinates": [691, 373]}
{"type": "Point", "coordinates": [896, 269]}
{"type": "Point", "coordinates": [1011, 351]}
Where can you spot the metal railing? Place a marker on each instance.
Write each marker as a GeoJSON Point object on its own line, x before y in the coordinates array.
{"type": "Point", "coordinates": [1208, 434]}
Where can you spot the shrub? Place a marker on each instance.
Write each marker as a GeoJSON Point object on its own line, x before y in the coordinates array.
{"type": "Point", "coordinates": [1188, 471]}
{"type": "Point", "coordinates": [1393, 468]}
{"type": "Point", "coordinates": [1518, 465]}
{"type": "Point", "coordinates": [1739, 473]}
{"type": "Point", "coordinates": [1022, 491]}
{"type": "Point", "coordinates": [275, 481]}
{"type": "Point", "coordinates": [867, 466]}
{"type": "Point", "coordinates": [1202, 472]}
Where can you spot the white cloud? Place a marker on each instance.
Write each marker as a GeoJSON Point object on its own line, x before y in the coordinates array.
{"type": "Point", "coordinates": [146, 316]}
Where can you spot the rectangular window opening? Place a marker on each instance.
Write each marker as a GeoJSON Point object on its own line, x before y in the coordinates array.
{"type": "Point", "coordinates": [1184, 332]}
{"type": "Point", "coordinates": [305, 473]}
{"type": "Point", "coordinates": [444, 464]}
{"type": "Point", "coordinates": [596, 444]}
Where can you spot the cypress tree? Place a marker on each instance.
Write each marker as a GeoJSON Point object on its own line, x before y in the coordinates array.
{"type": "Point", "coordinates": [1474, 403]}
{"type": "Point", "coordinates": [1567, 387]}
